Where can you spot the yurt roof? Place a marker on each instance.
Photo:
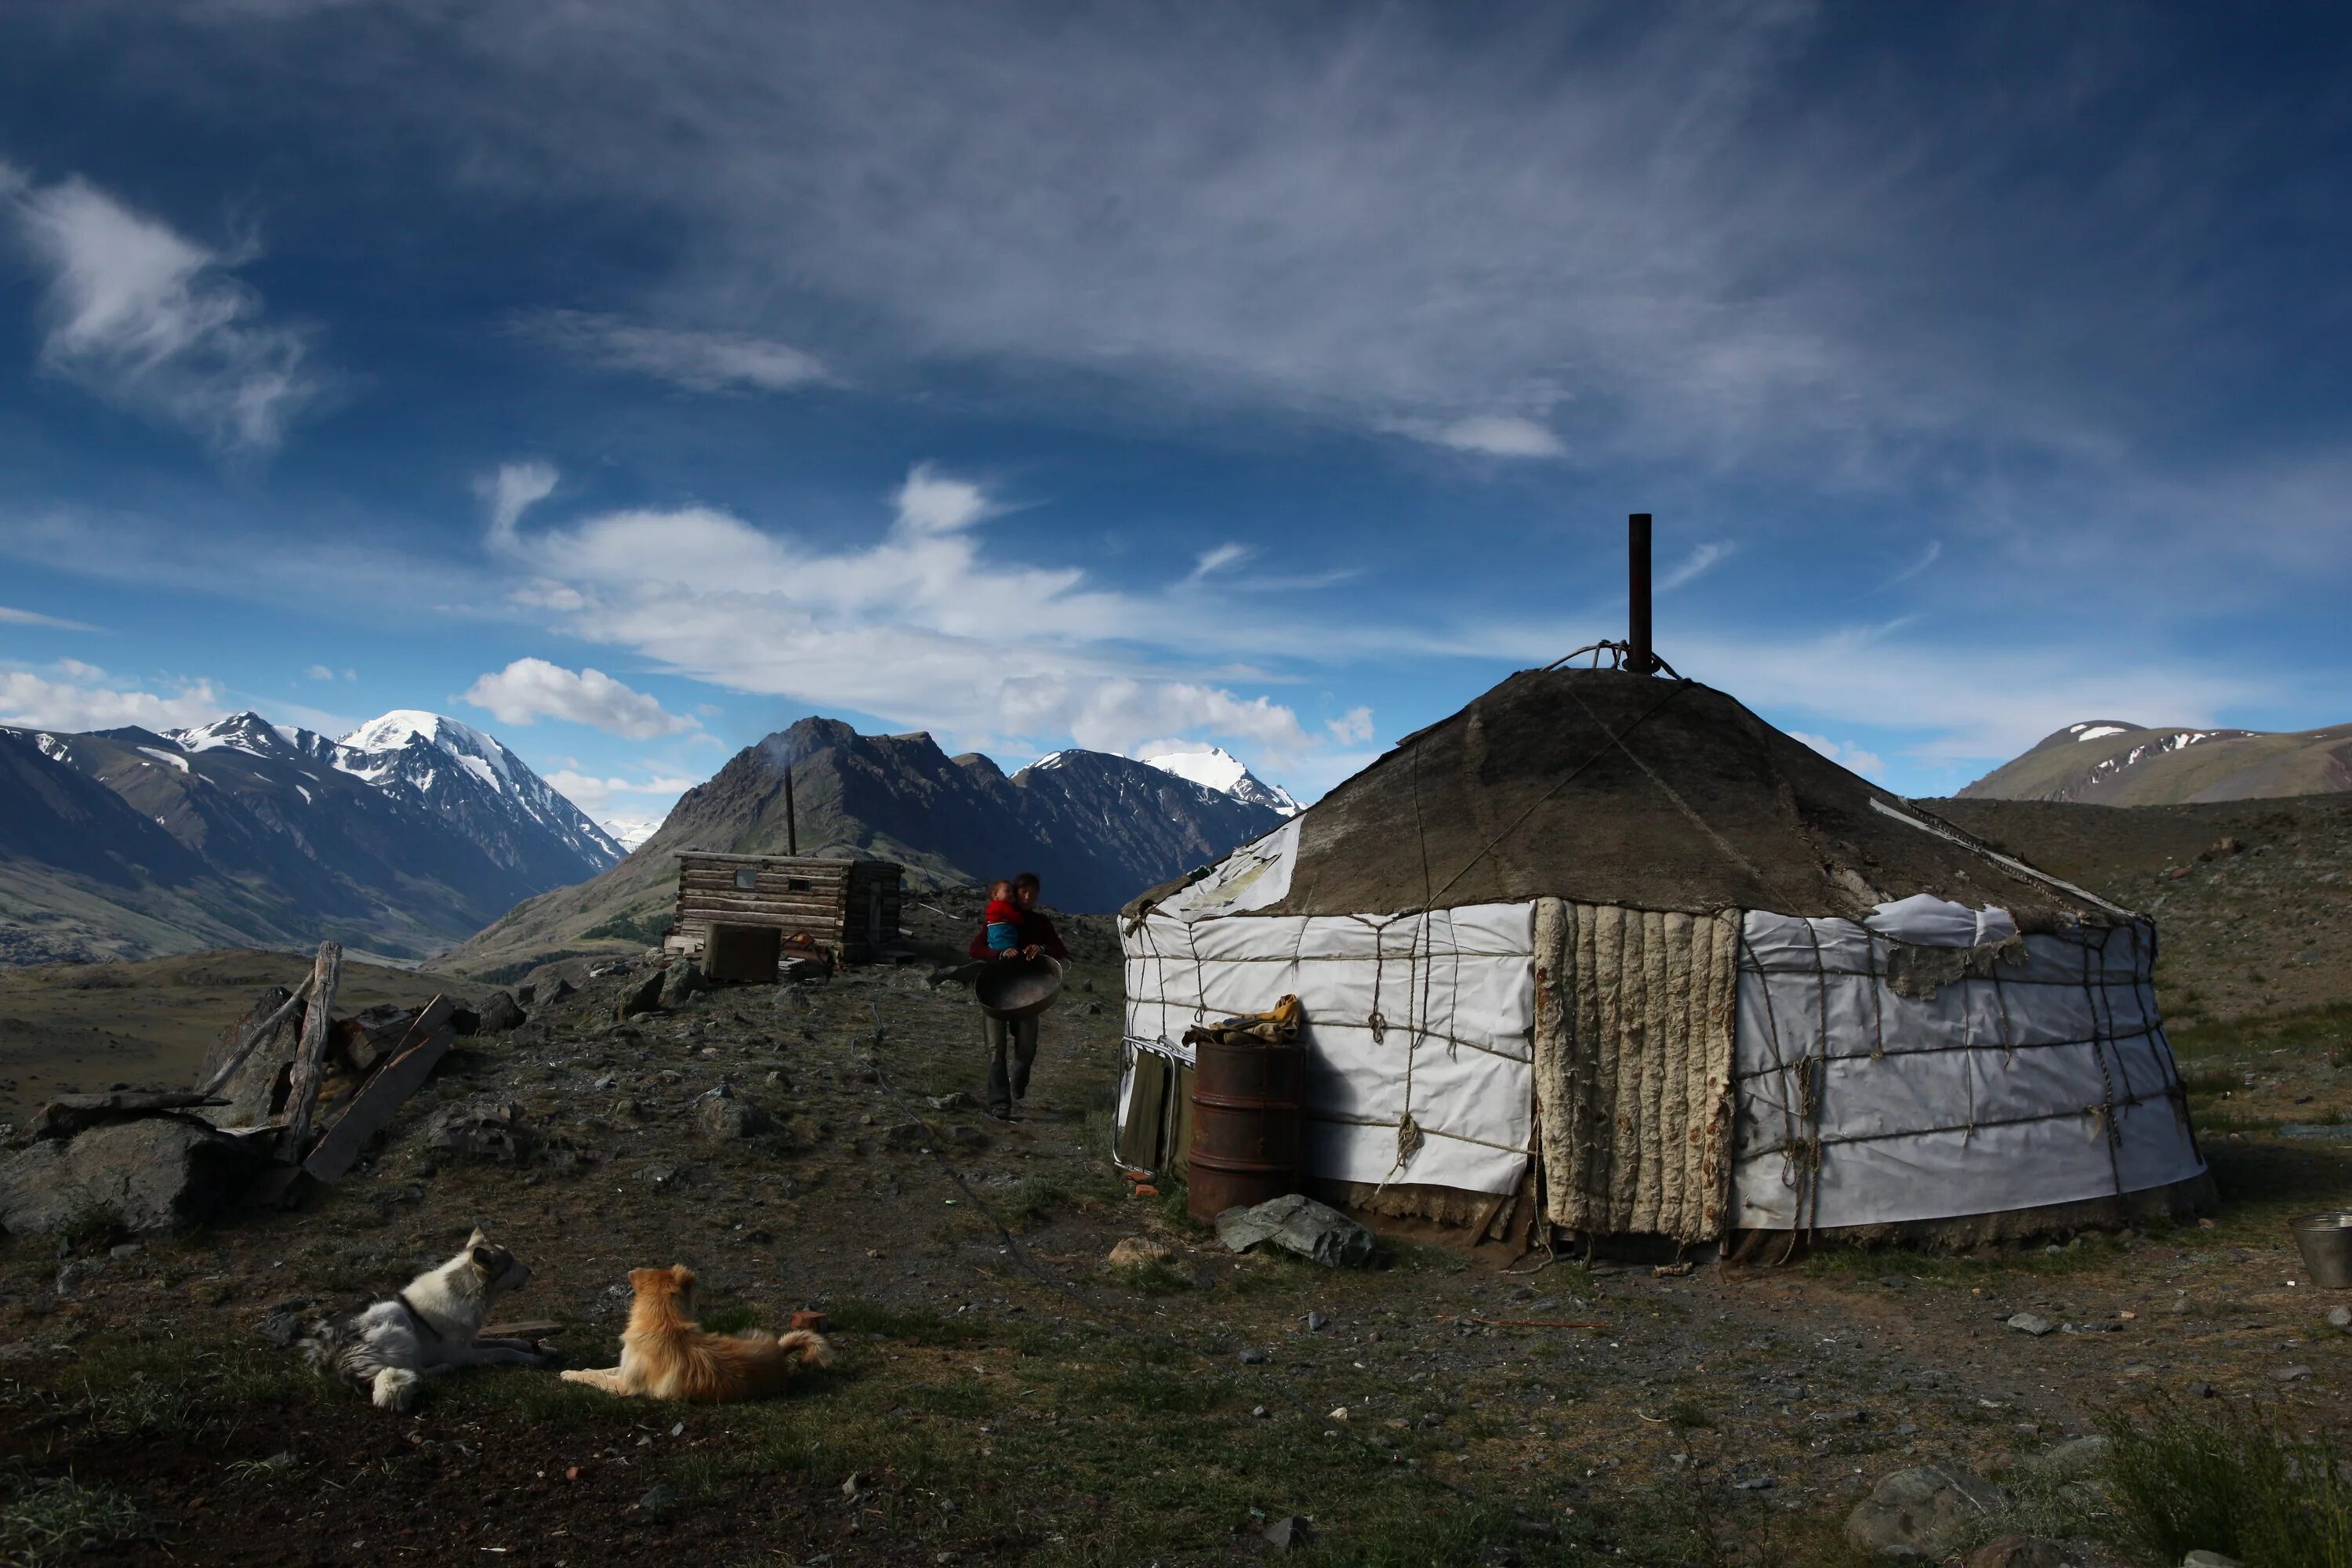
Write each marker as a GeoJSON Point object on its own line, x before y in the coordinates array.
{"type": "Point", "coordinates": [1614, 788]}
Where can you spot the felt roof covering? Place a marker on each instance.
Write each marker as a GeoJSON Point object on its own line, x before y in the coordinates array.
{"type": "Point", "coordinates": [1650, 793]}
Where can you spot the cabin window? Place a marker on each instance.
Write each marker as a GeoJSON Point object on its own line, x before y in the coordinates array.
{"type": "Point", "coordinates": [796, 884]}
{"type": "Point", "coordinates": [747, 877]}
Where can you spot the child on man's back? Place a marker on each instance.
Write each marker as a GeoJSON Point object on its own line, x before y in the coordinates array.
{"type": "Point", "coordinates": [1004, 918]}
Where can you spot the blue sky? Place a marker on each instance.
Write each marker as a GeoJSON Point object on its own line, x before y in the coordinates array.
{"type": "Point", "coordinates": [632, 380]}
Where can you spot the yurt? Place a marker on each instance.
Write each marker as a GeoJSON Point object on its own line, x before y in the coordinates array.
{"type": "Point", "coordinates": [1606, 955]}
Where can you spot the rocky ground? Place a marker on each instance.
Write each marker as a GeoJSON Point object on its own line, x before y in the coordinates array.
{"type": "Point", "coordinates": [1003, 1395]}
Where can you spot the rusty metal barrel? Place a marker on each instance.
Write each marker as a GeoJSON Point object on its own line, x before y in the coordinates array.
{"type": "Point", "coordinates": [1248, 1113]}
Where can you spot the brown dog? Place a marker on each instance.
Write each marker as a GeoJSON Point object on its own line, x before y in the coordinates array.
{"type": "Point", "coordinates": [666, 1356]}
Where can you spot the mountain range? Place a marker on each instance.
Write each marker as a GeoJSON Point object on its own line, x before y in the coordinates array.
{"type": "Point", "coordinates": [407, 835]}
{"type": "Point", "coordinates": [2108, 762]}
{"type": "Point", "coordinates": [1098, 830]}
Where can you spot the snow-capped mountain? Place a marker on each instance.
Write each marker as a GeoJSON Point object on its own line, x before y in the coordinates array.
{"type": "Point", "coordinates": [472, 781]}
{"type": "Point", "coordinates": [1218, 768]}
{"type": "Point", "coordinates": [631, 831]}
{"type": "Point", "coordinates": [411, 832]}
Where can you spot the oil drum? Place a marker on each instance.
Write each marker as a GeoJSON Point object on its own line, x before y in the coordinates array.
{"type": "Point", "coordinates": [1248, 1111]}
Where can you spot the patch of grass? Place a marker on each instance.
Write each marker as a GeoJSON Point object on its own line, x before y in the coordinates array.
{"type": "Point", "coordinates": [1153, 1278]}
{"type": "Point", "coordinates": [1686, 1415]}
{"type": "Point", "coordinates": [1163, 1391]}
{"type": "Point", "coordinates": [2233, 1482]}
{"type": "Point", "coordinates": [730, 1319]}
{"type": "Point", "coordinates": [1031, 1203]}
{"type": "Point", "coordinates": [859, 1316]}
{"type": "Point", "coordinates": [49, 1518]}
{"type": "Point", "coordinates": [648, 927]}
{"type": "Point", "coordinates": [2230, 1482]}
{"type": "Point", "coordinates": [965, 1397]}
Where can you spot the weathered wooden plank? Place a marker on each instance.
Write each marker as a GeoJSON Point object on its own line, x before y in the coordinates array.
{"type": "Point", "coordinates": [715, 899]}
{"type": "Point", "coordinates": [692, 855]}
{"type": "Point", "coordinates": [302, 1089]}
{"type": "Point", "coordinates": [821, 929]}
{"type": "Point", "coordinates": [722, 882]}
{"type": "Point", "coordinates": [705, 908]}
{"type": "Point", "coordinates": [376, 1102]}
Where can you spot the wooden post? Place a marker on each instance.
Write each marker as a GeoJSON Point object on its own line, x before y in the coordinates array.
{"type": "Point", "coordinates": [791, 823]}
{"type": "Point", "coordinates": [310, 1057]}
{"type": "Point", "coordinates": [260, 1032]}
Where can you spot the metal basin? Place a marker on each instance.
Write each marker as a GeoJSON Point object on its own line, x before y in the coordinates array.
{"type": "Point", "coordinates": [1017, 987]}
{"type": "Point", "coordinates": [2325, 1242]}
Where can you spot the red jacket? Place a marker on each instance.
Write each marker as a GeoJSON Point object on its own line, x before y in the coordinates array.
{"type": "Point", "coordinates": [1036, 930]}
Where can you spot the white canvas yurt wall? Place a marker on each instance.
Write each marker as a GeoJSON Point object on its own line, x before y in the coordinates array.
{"type": "Point", "coordinates": [1694, 984]}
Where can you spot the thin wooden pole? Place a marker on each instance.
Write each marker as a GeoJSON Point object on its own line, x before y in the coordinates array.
{"type": "Point", "coordinates": [303, 1091]}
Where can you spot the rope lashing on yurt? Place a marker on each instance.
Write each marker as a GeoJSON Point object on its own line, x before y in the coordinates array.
{"type": "Point", "coordinates": [2107, 1121]}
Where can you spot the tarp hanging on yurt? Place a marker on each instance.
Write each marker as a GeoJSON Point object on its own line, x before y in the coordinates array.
{"type": "Point", "coordinates": [1608, 952]}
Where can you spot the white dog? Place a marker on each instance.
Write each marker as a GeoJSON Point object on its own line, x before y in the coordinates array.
{"type": "Point", "coordinates": [432, 1327]}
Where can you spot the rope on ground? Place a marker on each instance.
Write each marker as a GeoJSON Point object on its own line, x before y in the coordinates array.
{"type": "Point", "coordinates": [1104, 1319]}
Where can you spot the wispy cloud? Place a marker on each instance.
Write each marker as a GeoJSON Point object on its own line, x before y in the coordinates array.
{"type": "Point", "coordinates": [1928, 557]}
{"type": "Point", "coordinates": [10, 616]}
{"type": "Point", "coordinates": [1216, 560]}
{"type": "Point", "coordinates": [699, 361]}
{"type": "Point", "coordinates": [1489, 434]}
{"type": "Point", "coordinates": [514, 489]}
{"type": "Point", "coordinates": [532, 689]}
{"type": "Point", "coordinates": [139, 314]}
{"type": "Point", "coordinates": [1702, 558]}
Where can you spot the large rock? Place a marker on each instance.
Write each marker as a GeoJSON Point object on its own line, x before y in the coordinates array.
{"type": "Point", "coordinates": [1297, 1223]}
{"type": "Point", "coordinates": [160, 1175]}
{"type": "Point", "coordinates": [1923, 1513]}
{"type": "Point", "coordinates": [1138, 1252]}
{"type": "Point", "coordinates": [487, 1128]}
{"type": "Point", "coordinates": [644, 997]}
{"type": "Point", "coordinates": [680, 982]}
{"type": "Point", "coordinates": [498, 1015]}
{"type": "Point", "coordinates": [726, 1115]}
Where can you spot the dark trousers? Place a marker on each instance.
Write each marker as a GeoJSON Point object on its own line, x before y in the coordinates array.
{"type": "Point", "coordinates": [1012, 1051]}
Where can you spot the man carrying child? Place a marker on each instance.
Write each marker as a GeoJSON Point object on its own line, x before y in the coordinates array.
{"type": "Point", "coordinates": [1013, 928]}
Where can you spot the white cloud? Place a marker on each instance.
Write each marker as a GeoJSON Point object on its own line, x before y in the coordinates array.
{"type": "Point", "coordinates": [514, 489]}
{"type": "Point", "coordinates": [15, 617]}
{"type": "Point", "coordinates": [913, 627]}
{"type": "Point", "coordinates": [594, 795]}
{"type": "Point", "coordinates": [701, 362]}
{"type": "Point", "coordinates": [33, 702]}
{"type": "Point", "coordinates": [1845, 752]}
{"type": "Point", "coordinates": [142, 316]}
{"type": "Point", "coordinates": [1352, 728]}
{"type": "Point", "coordinates": [532, 689]}
{"type": "Point", "coordinates": [1217, 558]}
{"type": "Point", "coordinates": [1490, 435]}
{"type": "Point", "coordinates": [930, 503]}
{"type": "Point", "coordinates": [1701, 558]}
{"type": "Point", "coordinates": [320, 672]}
